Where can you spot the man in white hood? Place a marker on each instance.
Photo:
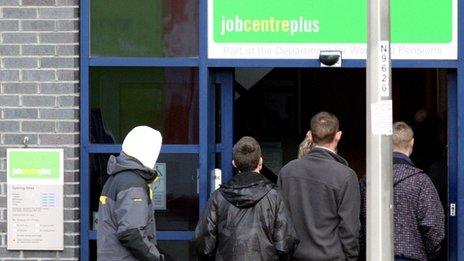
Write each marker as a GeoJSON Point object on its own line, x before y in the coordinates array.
{"type": "Point", "coordinates": [126, 229]}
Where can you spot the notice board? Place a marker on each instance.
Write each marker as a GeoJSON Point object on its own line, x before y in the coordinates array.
{"type": "Point", "coordinates": [35, 199]}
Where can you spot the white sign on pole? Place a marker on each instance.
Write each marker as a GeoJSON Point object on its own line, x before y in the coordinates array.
{"type": "Point", "coordinates": [382, 117]}
{"type": "Point", "coordinates": [35, 199]}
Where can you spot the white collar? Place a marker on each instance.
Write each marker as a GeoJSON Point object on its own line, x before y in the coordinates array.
{"type": "Point", "coordinates": [325, 148]}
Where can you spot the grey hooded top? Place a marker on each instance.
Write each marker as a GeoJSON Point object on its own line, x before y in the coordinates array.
{"type": "Point", "coordinates": [126, 222]}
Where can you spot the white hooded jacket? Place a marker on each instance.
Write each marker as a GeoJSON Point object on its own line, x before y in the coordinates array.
{"type": "Point", "coordinates": [126, 228]}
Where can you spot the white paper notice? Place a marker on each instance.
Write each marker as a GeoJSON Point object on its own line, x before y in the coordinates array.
{"type": "Point", "coordinates": [382, 118]}
{"type": "Point", "coordinates": [159, 187]}
{"type": "Point", "coordinates": [384, 69]}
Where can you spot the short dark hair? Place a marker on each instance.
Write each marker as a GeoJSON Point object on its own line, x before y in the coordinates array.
{"type": "Point", "coordinates": [324, 126]}
{"type": "Point", "coordinates": [246, 153]}
{"type": "Point", "coordinates": [402, 135]}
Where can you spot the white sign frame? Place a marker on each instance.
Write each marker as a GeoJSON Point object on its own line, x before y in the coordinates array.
{"type": "Point", "coordinates": [45, 198]}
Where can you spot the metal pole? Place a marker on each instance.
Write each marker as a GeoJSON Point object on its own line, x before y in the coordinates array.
{"type": "Point", "coordinates": [378, 134]}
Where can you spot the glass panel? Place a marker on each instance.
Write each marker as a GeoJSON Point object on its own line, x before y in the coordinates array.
{"type": "Point", "coordinates": [182, 193]}
{"type": "Point", "coordinates": [177, 203]}
{"type": "Point", "coordinates": [151, 28]}
{"type": "Point", "coordinates": [163, 98]}
{"type": "Point", "coordinates": [176, 250]}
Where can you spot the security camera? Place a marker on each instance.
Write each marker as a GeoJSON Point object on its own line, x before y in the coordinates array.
{"type": "Point", "coordinates": [330, 58]}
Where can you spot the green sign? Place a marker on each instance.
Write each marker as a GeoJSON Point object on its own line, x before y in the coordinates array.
{"type": "Point", "coordinates": [327, 21]}
{"type": "Point", "coordinates": [34, 164]}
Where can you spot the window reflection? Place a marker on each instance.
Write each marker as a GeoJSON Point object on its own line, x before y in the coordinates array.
{"type": "Point", "coordinates": [150, 28]}
{"type": "Point", "coordinates": [163, 98]}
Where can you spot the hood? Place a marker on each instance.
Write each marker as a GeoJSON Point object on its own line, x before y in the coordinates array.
{"type": "Point", "coordinates": [246, 189]}
{"type": "Point", "coordinates": [144, 144]}
{"type": "Point", "coordinates": [403, 171]}
{"type": "Point", "coordinates": [124, 162]}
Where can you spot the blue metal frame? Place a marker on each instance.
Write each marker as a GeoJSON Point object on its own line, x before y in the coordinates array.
{"type": "Point", "coordinates": [460, 162]}
{"type": "Point", "coordinates": [452, 163]}
{"type": "Point", "coordinates": [225, 78]}
{"type": "Point", "coordinates": [143, 62]}
{"type": "Point", "coordinates": [205, 132]}
{"type": "Point", "coordinates": [206, 149]}
{"type": "Point", "coordinates": [314, 63]}
{"type": "Point", "coordinates": [162, 235]}
{"type": "Point", "coordinates": [460, 136]}
{"type": "Point", "coordinates": [116, 148]}
{"type": "Point", "coordinates": [205, 97]}
{"type": "Point", "coordinates": [84, 131]}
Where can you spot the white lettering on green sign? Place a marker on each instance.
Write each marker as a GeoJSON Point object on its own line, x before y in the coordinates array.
{"type": "Point", "coordinates": [300, 29]}
{"type": "Point", "coordinates": [290, 26]}
{"type": "Point", "coordinates": [34, 164]}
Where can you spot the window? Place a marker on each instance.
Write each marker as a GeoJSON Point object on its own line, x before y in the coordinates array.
{"type": "Point", "coordinates": [163, 98]}
{"type": "Point", "coordinates": [119, 91]}
{"type": "Point", "coordinates": [145, 28]}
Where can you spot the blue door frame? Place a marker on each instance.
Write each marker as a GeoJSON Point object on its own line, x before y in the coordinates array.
{"type": "Point", "coordinates": [211, 73]}
{"type": "Point", "coordinates": [452, 163]}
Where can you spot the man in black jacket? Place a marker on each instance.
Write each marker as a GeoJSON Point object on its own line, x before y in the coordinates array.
{"type": "Point", "coordinates": [246, 218]}
{"type": "Point", "coordinates": [322, 195]}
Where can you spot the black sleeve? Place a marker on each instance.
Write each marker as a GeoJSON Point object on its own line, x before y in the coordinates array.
{"type": "Point", "coordinates": [348, 212]}
{"type": "Point", "coordinates": [285, 239]}
{"type": "Point", "coordinates": [133, 241]}
{"type": "Point", "coordinates": [206, 231]}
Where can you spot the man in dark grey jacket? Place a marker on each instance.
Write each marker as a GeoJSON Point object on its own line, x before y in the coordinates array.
{"type": "Point", "coordinates": [322, 195]}
{"type": "Point", "coordinates": [126, 222]}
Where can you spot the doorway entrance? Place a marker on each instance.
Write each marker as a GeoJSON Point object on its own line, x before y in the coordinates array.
{"type": "Point", "coordinates": [275, 106]}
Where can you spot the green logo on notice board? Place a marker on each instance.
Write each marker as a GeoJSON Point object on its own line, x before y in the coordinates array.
{"type": "Point", "coordinates": [327, 21]}
{"type": "Point", "coordinates": [33, 164]}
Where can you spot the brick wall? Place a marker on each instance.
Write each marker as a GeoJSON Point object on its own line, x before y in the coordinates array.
{"type": "Point", "coordinates": [39, 98]}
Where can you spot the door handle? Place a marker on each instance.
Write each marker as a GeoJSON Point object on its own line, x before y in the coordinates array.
{"type": "Point", "coordinates": [216, 179]}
